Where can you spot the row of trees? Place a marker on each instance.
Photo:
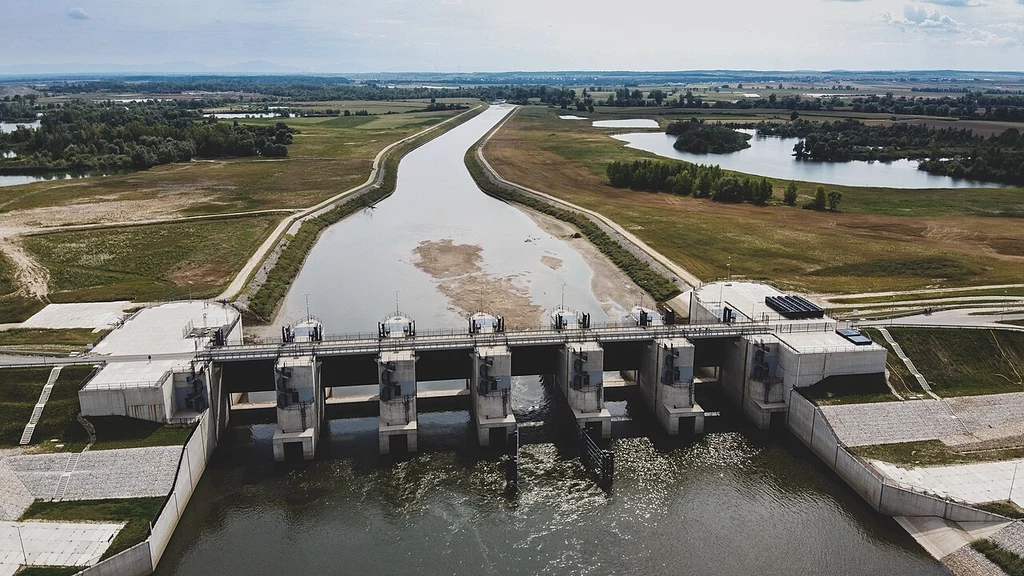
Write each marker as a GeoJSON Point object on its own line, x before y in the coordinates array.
{"type": "Point", "coordinates": [955, 152]}
{"type": "Point", "coordinates": [685, 179]}
{"type": "Point", "coordinates": [91, 136]}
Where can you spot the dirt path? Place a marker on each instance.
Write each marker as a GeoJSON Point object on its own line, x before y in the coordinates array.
{"type": "Point", "coordinates": [33, 277]}
{"type": "Point", "coordinates": [828, 298]}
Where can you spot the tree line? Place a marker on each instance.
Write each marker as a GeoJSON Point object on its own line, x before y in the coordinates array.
{"type": "Point", "coordinates": [954, 152]}
{"type": "Point", "coordinates": [134, 136]}
{"type": "Point", "coordinates": [685, 179]}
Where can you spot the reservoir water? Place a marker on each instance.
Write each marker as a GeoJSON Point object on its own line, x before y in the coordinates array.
{"type": "Point", "coordinates": [773, 157]}
{"type": "Point", "coordinates": [732, 502]}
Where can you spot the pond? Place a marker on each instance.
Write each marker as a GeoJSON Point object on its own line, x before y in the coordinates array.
{"type": "Point", "coordinates": [19, 179]}
{"type": "Point", "coordinates": [237, 115]}
{"type": "Point", "coordinates": [630, 123]}
{"type": "Point", "coordinates": [772, 156]}
{"type": "Point", "coordinates": [6, 127]}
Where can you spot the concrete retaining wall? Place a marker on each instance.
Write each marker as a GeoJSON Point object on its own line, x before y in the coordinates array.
{"type": "Point", "coordinates": [142, 559]}
{"type": "Point", "coordinates": [807, 423]}
{"type": "Point", "coordinates": [135, 561]}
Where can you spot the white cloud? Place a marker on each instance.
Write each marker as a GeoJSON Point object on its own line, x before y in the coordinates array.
{"type": "Point", "coordinates": [920, 18]}
{"type": "Point", "coordinates": [77, 14]}
{"type": "Point", "coordinates": [958, 3]}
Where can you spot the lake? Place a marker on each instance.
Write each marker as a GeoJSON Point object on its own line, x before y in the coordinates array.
{"type": "Point", "coordinates": [19, 179]}
{"type": "Point", "coordinates": [773, 157]}
{"type": "Point", "coordinates": [631, 123]}
{"type": "Point", "coordinates": [6, 127]}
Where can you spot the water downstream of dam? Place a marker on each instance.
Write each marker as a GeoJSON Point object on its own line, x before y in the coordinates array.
{"type": "Point", "coordinates": [734, 501]}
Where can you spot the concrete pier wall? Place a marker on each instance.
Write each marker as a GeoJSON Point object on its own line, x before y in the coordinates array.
{"type": "Point", "coordinates": [142, 559]}
{"type": "Point", "coordinates": [807, 423]}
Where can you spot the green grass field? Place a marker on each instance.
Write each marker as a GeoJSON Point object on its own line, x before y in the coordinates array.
{"type": "Point", "coordinates": [882, 239]}
{"type": "Point", "coordinates": [137, 513]}
{"type": "Point", "coordinates": [328, 156]}
{"type": "Point", "coordinates": [153, 262]}
{"type": "Point", "coordinates": [63, 336]}
{"type": "Point", "coordinates": [961, 362]}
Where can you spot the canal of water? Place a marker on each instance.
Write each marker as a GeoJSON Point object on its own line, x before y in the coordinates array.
{"type": "Point", "coordinates": [733, 501]}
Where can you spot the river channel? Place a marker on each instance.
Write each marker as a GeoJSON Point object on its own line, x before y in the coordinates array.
{"type": "Point", "coordinates": [772, 156]}
{"type": "Point", "coordinates": [731, 502]}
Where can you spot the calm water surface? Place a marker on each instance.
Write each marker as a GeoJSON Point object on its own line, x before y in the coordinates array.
{"type": "Point", "coordinates": [630, 123]}
{"type": "Point", "coordinates": [19, 179]}
{"type": "Point", "coordinates": [732, 502]}
{"type": "Point", "coordinates": [12, 126]}
{"type": "Point", "coordinates": [773, 157]}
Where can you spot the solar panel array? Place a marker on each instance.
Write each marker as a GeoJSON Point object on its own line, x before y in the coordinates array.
{"type": "Point", "coordinates": [794, 307]}
{"type": "Point", "coordinates": [854, 336]}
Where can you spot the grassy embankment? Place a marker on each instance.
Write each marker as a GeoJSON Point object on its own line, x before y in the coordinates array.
{"type": "Point", "coordinates": [328, 155]}
{"type": "Point", "coordinates": [14, 306]}
{"type": "Point", "coordinates": [659, 287]}
{"type": "Point", "coordinates": [1004, 507]}
{"type": "Point", "coordinates": [899, 376]}
{"type": "Point", "coordinates": [19, 391]}
{"type": "Point", "coordinates": [48, 571]}
{"type": "Point", "coordinates": [265, 302]}
{"type": "Point", "coordinates": [1011, 563]}
{"type": "Point", "coordinates": [932, 453]}
{"type": "Point", "coordinates": [137, 513]}
{"type": "Point", "coordinates": [883, 239]}
{"type": "Point", "coordinates": [961, 362]}
{"type": "Point", "coordinates": [855, 389]}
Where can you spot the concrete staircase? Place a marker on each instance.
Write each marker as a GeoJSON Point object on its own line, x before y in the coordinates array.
{"type": "Point", "coordinates": [909, 364]}
{"type": "Point", "coordinates": [65, 478]}
{"type": "Point", "coordinates": [30, 428]}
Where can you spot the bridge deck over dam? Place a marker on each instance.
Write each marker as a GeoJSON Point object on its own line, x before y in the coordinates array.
{"type": "Point", "coordinates": [459, 340]}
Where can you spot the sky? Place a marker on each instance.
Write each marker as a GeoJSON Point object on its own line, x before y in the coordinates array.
{"type": "Point", "coordinates": [522, 35]}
